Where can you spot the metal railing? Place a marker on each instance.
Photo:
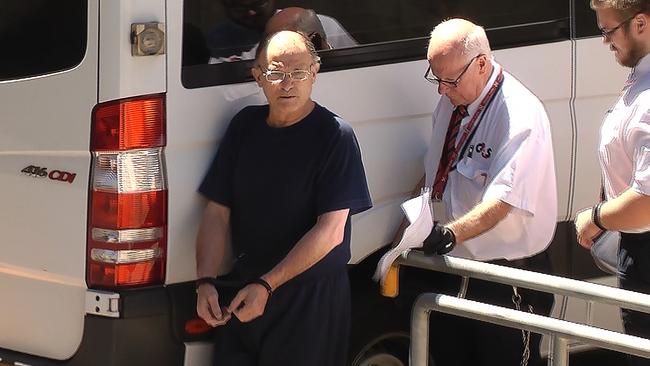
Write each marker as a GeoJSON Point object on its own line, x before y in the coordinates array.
{"type": "Point", "coordinates": [562, 331]}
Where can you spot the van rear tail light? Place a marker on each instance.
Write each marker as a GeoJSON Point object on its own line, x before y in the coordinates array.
{"type": "Point", "coordinates": [127, 226]}
{"type": "Point", "coordinates": [134, 123]}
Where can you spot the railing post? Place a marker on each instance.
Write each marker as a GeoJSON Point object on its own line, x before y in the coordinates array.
{"type": "Point", "coordinates": [419, 353]}
{"type": "Point", "coordinates": [559, 355]}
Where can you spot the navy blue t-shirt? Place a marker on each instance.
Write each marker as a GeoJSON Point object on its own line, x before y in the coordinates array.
{"type": "Point", "coordinates": [277, 181]}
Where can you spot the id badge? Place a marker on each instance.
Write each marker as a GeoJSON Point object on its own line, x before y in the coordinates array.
{"type": "Point", "coordinates": [439, 210]}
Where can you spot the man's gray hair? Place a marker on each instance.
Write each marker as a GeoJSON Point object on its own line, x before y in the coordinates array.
{"type": "Point", "coordinates": [473, 43]}
{"type": "Point", "coordinates": [476, 42]}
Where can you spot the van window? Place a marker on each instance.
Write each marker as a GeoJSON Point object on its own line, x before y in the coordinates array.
{"type": "Point", "coordinates": [41, 36]}
{"type": "Point", "coordinates": [220, 37]}
{"type": "Point", "coordinates": [586, 25]}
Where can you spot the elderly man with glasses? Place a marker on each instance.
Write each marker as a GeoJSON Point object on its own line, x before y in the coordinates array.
{"type": "Point", "coordinates": [492, 178]}
{"type": "Point", "coordinates": [284, 183]}
{"type": "Point", "coordinates": [625, 156]}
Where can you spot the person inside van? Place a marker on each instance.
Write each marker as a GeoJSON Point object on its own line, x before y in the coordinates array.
{"type": "Point", "coordinates": [625, 157]}
{"type": "Point", "coordinates": [237, 38]}
{"type": "Point", "coordinates": [491, 172]}
{"type": "Point", "coordinates": [299, 20]}
{"type": "Point", "coordinates": [284, 183]}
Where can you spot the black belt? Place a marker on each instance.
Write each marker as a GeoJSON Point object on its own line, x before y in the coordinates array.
{"type": "Point", "coordinates": [538, 260]}
{"type": "Point", "coordinates": [644, 236]}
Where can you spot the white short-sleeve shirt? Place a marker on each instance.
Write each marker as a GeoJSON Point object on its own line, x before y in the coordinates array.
{"type": "Point", "coordinates": [624, 149]}
{"type": "Point", "coordinates": [509, 158]}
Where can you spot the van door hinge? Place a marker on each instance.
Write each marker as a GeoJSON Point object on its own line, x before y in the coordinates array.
{"type": "Point", "coordinates": [103, 303]}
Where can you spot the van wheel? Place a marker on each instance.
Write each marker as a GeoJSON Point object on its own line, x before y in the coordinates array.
{"type": "Point", "coordinates": [388, 350]}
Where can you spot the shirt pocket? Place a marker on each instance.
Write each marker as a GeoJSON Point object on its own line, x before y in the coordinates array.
{"type": "Point", "coordinates": [474, 171]}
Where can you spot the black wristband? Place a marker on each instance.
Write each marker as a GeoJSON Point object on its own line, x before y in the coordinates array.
{"type": "Point", "coordinates": [203, 280]}
{"type": "Point", "coordinates": [595, 216]}
{"type": "Point", "coordinates": [452, 235]}
{"type": "Point", "coordinates": [261, 281]}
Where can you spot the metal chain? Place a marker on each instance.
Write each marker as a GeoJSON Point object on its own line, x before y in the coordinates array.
{"type": "Point", "coordinates": [516, 299]}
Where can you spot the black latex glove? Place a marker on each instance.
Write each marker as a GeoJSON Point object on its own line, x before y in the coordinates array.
{"type": "Point", "coordinates": [441, 240]}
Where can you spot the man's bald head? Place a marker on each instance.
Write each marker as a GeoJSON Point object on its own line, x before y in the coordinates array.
{"type": "Point", "coordinates": [285, 42]}
{"type": "Point", "coordinates": [299, 20]}
{"type": "Point", "coordinates": [458, 37]}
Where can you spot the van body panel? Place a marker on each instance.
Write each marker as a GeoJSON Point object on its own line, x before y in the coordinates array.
{"type": "Point", "coordinates": [191, 138]}
{"type": "Point", "coordinates": [122, 75]}
{"type": "Point", "coordinates": [43, 247]}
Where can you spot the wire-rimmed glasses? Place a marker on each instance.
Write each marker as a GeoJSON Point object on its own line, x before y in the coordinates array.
{"type": "Point", "coordinates": [430, 77]}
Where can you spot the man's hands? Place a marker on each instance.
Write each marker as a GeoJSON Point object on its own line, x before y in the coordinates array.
{"type": "Point", "coordinates": [585, 228]}
{"type": "Point", "coordinates": [208, 308]}
{"type": "Point", "coordinates": [441, 240]}
{"type": "Point", "coordinates": [250, 302]}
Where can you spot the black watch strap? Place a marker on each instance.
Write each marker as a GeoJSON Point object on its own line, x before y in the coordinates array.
{"type": "Point", "coordinates": [595, 216]}
{"type": "Point", "coordinates": [261, 281]}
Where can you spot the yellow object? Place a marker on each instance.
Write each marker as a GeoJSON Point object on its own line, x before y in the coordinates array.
{"type": "Point", "coordinates": [390, 286]}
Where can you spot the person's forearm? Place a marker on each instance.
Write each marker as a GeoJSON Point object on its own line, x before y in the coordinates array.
{"type": "Point", "coordinates": [480, 219]}
{"type": "Point", "coordinates": [211, 240]}
{"type": "Point", "coordinates": [629, 211]}
{"type": "Point", "coordinates": [311, 248]}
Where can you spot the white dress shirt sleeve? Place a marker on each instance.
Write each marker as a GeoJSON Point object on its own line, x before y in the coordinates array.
{"type": "Point", "coordinates": [638, 133]}
{"type": "Point", "coordinates": [515, 175]}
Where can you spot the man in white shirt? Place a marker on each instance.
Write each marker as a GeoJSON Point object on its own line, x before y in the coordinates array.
{"type": "Point", "coordinates": [490, 166]}
{"type": "Point", "coordinates": [624, 153]}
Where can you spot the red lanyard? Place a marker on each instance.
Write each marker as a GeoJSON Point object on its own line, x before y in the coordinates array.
{"type": "Point", "coordinates": [469, 127]}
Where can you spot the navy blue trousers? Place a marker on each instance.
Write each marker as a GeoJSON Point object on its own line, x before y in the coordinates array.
{"type": "Point", "coordinates": [305, 323]}
{"type": "Point", "coordinates": [634, 268]}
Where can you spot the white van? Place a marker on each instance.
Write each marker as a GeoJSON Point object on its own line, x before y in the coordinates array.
{"type": "Point", "coordinates": [110, 114]}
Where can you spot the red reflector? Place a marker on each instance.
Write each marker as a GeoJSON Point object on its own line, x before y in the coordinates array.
{"type": "Point", "coordinates": [125, 275]}
{"type": "Point", "coordinates": [128, 210]}
{"type": "Point", "coordinates": [146, 272]}
{"type": "Point", "coordinates": [196, 326]}
{"type": "Point", "coordinates": [134, 123]}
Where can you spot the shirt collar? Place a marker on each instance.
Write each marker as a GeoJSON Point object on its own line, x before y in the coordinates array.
{"type": "Point", "coordinates": [643, 67]}
{"type": "Point", "coordinates": [496, 68]}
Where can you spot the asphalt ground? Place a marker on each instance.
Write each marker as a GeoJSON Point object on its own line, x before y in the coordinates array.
{"type": "Point", "coordinates": [590, 358]}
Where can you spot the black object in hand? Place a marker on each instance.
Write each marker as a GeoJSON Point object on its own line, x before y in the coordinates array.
{"type": "Point", "coordinates": [441, 240]}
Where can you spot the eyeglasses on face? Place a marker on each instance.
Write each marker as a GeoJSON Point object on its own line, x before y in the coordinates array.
{"type": "Point", "coordinates": [430, 77]}
{"type": "Point", "coordinates": [609, 33]}
{"type": "Point", "coordinates": [277, 76]}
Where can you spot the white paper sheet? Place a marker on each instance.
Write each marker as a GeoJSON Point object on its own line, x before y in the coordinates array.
{"type": "Point", "coordinates": [419, 213]}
